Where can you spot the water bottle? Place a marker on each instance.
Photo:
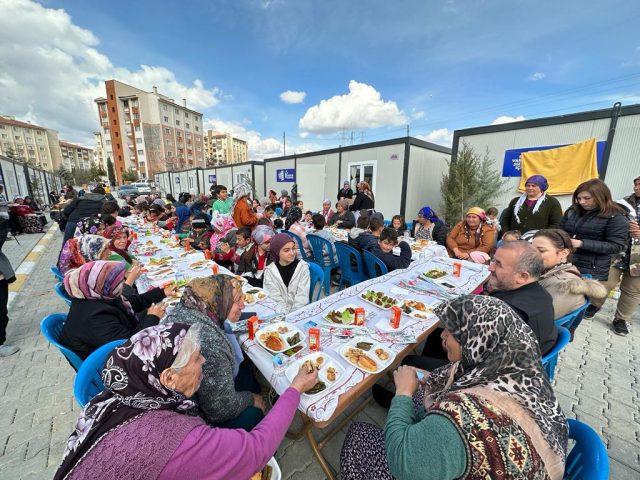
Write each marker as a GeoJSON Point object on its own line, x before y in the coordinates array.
{"type": "Point", "coordinates": [278, 363]}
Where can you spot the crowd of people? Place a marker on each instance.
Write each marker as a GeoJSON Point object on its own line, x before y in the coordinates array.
{"type": "Point", "coordinates": [180, 390]}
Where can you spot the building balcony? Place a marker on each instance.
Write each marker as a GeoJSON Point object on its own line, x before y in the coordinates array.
{"type": "Point", "coordinates": [126, 110]}
{"type": "Point", "coordinates": [136, 123]}
{"type": "Point", "coordinates": [103, 114]}
{"type": "Point", "coordinates": [135, 109]}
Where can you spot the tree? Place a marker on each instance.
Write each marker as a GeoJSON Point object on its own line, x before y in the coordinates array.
{"type": "Point", "coordinates": [96, 172]}
{"type": "Point", "coordinates": [66, 175]}
{"type": "Point", "coordinates": [130, 175]}
{"type": "Point", "coordinates": [111, 172]}
{"type": "Point", "coordinates": [471, 181]}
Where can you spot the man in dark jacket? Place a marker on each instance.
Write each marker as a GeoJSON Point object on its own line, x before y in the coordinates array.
{"type": "Point", "coordinates": [86, 206]}
{"type": "Point", "coordinates": [384, 250]}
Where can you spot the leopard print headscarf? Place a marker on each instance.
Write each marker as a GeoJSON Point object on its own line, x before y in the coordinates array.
{"type": "Point", "coordinates": [499, 352]}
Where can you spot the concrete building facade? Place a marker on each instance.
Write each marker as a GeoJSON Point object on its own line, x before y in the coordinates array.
{"type": "Point", "coordinates": [31, 143]}
{"type": "Point", "coordinates": [224, 149]}
{"type": "Point", "coordinates": [76, 156]}
{"type": "Point", "coordinates": [148, 132]}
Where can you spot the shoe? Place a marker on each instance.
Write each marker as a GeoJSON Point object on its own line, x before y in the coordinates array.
{"type": "Point", "coordinates": [6, 350]}
{"type": "Point", "coordinates": [620, 327]}
{"type": "Point", "coordinates": [382, 396]}
{"type": "Point", "coordinates": [591, 311]}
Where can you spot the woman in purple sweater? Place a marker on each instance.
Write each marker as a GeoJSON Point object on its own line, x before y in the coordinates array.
{"type": "Point", "coordinates": [137, 427]}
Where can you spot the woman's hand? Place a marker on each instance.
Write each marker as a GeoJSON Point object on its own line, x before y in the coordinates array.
{"type": "Point", "coordinates": [406, 380]}
{"type": "Point", "coordinates": [157, 309]}
{"type": "Point", "coordinates": [133, 273]}
{"type": "Point", "coordinates": [576, 243]}
{"type": "Point", "coordinates": [258, 402]}
{"type": "Point", "coordinates": [634, 229]}
{"type": "Point", "coordinates": [304, 380]}
{"type": "Point", "coordinates": [171, 290]}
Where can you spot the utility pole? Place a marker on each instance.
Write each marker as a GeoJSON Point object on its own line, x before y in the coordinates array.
{"type": "Point", "coordinates": [407, 130]}
{"type": "Point", "coordinates": [284, 143]}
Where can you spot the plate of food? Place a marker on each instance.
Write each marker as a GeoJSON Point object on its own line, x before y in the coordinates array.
{"type": "Point", "coordinates": [271, 471]}
{"type": "Point", "coordinates": [160, 261]}
{"type": "Point", "coordinates": [279, 337]}
{"type": "Point", "coordinates": [372, 360]}
{"type": "Point", "coordinates": [415, 309]}
{"type": "Point", "coordinates": [201, 265]}
{"type": "Point", "coordinates": [329, 371]}
{"type": "Point", "coordinates": [163, 272]}
{"type": "Point", "coordinates": [341, 316]}
{"type": "Point", "coordinates": [435, 273]}
{"type": "Point", "coordinates": [379, 299]}
{"type": "Point", "coordinates": [254, 295]}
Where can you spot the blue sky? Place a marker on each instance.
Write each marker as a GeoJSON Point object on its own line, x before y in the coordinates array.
{"type": "Point", "coordinates": [365, 66]}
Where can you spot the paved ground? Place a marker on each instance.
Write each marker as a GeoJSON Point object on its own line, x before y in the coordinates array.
{"type": "Point", "coordinates": [597, 381]}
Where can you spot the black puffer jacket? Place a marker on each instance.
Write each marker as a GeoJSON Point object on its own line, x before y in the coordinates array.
{"type": "Point", "coordinates": [601, 238]}
{"type": "Point", "coordinates": [81, 207]}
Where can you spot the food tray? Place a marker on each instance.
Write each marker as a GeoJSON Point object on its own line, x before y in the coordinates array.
{"type": "Point", "coordinates": [380, 364]}
{"type": "Point", "coordinates": [162, 273]}
{"type": "Point", "coordinates": [348, 320]}
{"type": "Point", "coordinates": [380, 295]}
{"type": "Point", "coordinates": [435, 273]}
{"type": "Point", "coordinates": [201, 265]}
{"type": "Point", "coordinates": [253, 295]}
{"type": "Point", "coordinates": [327, 363]}
{"type": "Point", "coordinates": [274, 327]}
{"type": "Point", "coordinates": [416, 309]}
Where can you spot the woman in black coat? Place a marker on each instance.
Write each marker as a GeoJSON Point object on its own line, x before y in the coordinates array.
{"type": "Point", "coordinates": [598, 228]}
{"type": "Point", "coordinates": [345, 192]}
{"type": "Point", "coordinates": [364, 198]}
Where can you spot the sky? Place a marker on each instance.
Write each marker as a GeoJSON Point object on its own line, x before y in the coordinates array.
{"type": "Point", "coordinates": [322, 72]}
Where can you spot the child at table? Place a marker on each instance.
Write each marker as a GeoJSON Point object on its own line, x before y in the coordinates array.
{"type": "Point", "coordinates": [200, 234]}
{"type": "Point", "coordinates": [399, 225]}
{"type": "Point", "coordinates": [384, 250]}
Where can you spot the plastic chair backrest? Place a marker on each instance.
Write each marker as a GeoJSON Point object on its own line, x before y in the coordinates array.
{"type": "Point", "coordinates": [88, 381]}
{"type": "Point", "coordinates": [587, 459]}
{"type": "Point", "coordinates": [51, 328]}
{"type": "Point", "coordinates": [572, 317]}
{"type": "Point", "coordinates": [56, 272]}
{"type": "Point", "coordinates": [319, 246]}
{"type": "Point", "coordinates": [298, 240]}
{"type": "Point", "coordinates": [62, 293]}
{"type": "Point", "coordinates": [348, 258]}
{"type": "Point", "coordinates": [373, 265]}
{"type": "Point", "coordinates": [550, 360]}
{"type": "Point", "coordinates": [278, 212]}
{"type": "Point", "coordinates": [317, 277]}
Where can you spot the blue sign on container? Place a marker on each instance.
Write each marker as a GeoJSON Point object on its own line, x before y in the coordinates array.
{"type": "Point", "coordinates": [511, 165]}
{"type": "Point", "coordinates": [212, 179]}
{"type": "Point", "coordinates": [286, 175]}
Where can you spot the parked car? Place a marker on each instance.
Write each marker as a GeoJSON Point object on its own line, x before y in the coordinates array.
{"type": "Point", "coordinates": [128, 191]}
{"type": "Point", "coordinates": [143, 187]}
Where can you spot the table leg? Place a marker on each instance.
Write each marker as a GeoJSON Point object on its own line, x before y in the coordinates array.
{"type": "Point", "coordinates": [326, 468]}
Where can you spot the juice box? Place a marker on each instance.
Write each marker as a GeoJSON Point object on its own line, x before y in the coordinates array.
{"type": "Point", "coordinates": [187, 246]}
{"type": "Point", "coordinates": [252, 324]}
{"type": "Point", "coordinates": [314, 339]}
{"type": "Point", "coordinates": [207, 254]}
{"type": "Point", "coordinates": [457, 267]}
{"type": "Point", "coordinates": [396, 312]}
{"type": "Point", "coordinates": [359, 316]}
{"type": "Point", "coordinates": [214, 268]}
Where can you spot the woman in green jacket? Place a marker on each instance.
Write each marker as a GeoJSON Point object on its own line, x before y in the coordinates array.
{"type": "Point", "coordinates": [490, 413]}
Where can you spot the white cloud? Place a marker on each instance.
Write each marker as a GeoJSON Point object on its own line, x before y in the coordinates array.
{"type": "Point", "coordinates": [507, 119]}
{"type": "Point", "coordinates": [51, 71]}
{"type": "Point", "coordinates": [291, 96]}
{"type": "Point", "coordinates": [362, 107]}
{"type": "Point", "coordinates": [536, 76]}
{"type": "Point", "coordinates": [441, 136]}
{"type": "Point", "coordinates": [417, 114]}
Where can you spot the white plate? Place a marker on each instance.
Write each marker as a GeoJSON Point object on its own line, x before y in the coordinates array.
{"type": "Point", "coordinates": [161, 273]}
{"type": "Point", "coordinates": [416, 313]}
{"type": "Point", "coordinates": [381, 364]}
{"type": "Point", "coordinates": [328, 362]}
{"type": "Point", "coordinates": [340, 309]}
{"type": "Point", "coordinates": [276, 474]}
{"type": "Point", "coordinates": [271, 327]}
{"type": "Point", "coordinates": [205, 265]}
{"type": "Point", "coordinates": [259, 295]}
{"type": "Point", "coordinates": [375, 304]}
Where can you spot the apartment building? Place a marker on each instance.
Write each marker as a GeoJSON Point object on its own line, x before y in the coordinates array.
{"type": "Point", "coordinates": [76, 156]}
{"type": "Point", "coordinates": [223, 149]}
{"type": "Point", "coordinates": [31, 143]}
{"type": "Point", "coordinates": [147, 131]}
{"type": "Point", "coordinates": [99, 156]}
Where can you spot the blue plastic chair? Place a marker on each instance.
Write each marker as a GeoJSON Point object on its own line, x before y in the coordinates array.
{"type": "Point", "coordinates": [588, 458]}
{"type": "Point", "coordinates": [573, 319]}
{"type": "Point", "coordinates": [317, 277]}
{"type": "Point", "coordinates": [348, 259]}
{"type": "Point", "coordinates": [373, 265]}
{"type": "Point", "coordinates": [51, 328]}
{"type": "Point", "coordinates": [56, 272]}
{"type": "Point", "coordinates": [62, 293]}
{"type": "Point", "coordinates": [88, 381]}
{"type": "Point", "coordinates": [550, 360]}
{"type": "Point", "coordinates": [319, 247]}
{"type": "Point", "coordinates": [298, 240]}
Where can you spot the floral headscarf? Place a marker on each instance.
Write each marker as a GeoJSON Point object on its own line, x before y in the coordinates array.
{"type": "Point", "coordinates": [89, 225]}
{"type": "Point", "coordinates": [112, 233]}
{"type": "Point", "coordinates": [221, 224]}
{"type": "Point", "coordinates": [500, 353]}
{"type": "Point", "coordinates": [131, 377]}
{"type": "Point", "coordinates": [240, 190]}
{"type": "Point", "coordinates": [213, 296]}
{"type": "Point", "coordinates": [294, 215]}
{"type": "Point", "coordinates": [80, 250]}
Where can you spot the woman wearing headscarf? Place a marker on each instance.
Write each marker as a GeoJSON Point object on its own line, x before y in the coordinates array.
{"type": "Point", "coordinates": [532, 210]}
{"type": "Point", "coordinates": [429, 227]}
{"type": "Point", "coordinates": [255, 258]}
{"type": "Point", "coordinates": [364, 198]}
{"type": "Point", "coordinates": [100, 313]}
{"type": "Point", "coordinates": [292, 224]}
{"type": "Point", "coordinates": [200, 235]}
{"type": "Point", "coordinates": [80, 250]}
{"type": "Point", "coordinates": [139, 427]}
{"type": "Point", "coordinates": [494, 389]}
{"type": "Point", "coordinates": [221, 225]}
{"type": "Point", "coordinates": [326, 211]}
{"type": "Point", "coordinates": [345, 193]}
{"type": "Point", "coordinates": [229, 394]}
{"type": "Point", "coordinates": [183, 225]}
{"type": "Point", "coordinates": [243, 214]}
{"type": "Point", "coordinates": [471, 239]}
{"type": "Point", "coordinates": [118, 245]}
{"type": "Point", "coordinates": [343, 217]}
{"type": "Point", "coordinates": [286, 279]}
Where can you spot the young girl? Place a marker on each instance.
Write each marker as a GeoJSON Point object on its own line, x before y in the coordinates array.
{"type": "Point", "coordinates": [286, 279]}
{"type": "Point", "coordinates": [398, 224]}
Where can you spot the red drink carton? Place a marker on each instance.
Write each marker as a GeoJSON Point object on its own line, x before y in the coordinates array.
{"type": "Point", "coordinates": [214, 269]}
{"type": "Point", "coordinates": [253, 326]}
{"type": "Point", "coordinates": [457, 267]}
{"type": "Point", "coordinates": [359, 316]}
{"type": "Point", "coordinates": [314, 339]}
{"type": "Point", "coordinates": [396, 312]}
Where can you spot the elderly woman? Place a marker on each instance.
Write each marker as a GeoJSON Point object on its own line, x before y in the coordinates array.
{"type": "Point", "coordinates": [343, 218]}
{"type": "Point", "coordinates": [243, 214]}
{"type": "Point", "coordinates": [561, 279]}
{"type": "Point", "coordinates": [430, 227]}
{"type": "Point", "coordinates": [292, 224]}
{"type": "Point", "coordinates": [286, 279]}
{"type": "Point", "coordinates": [532, 210]}
{"type": "Point", "coordinates": [118, 245]}
{"type": "Point", "coordinates": [472, 239]}
{"type": "Point", "coordinates": [229, 395]}
{"type": "Point", "coordinates": [80, 250]}
{"type": "Point", "coordinates": [326, 211]}
{"type": "Point", "coordinates": [100, 313]}
{"type": "Point", "coordinates": [364, 198]}
{"type": "Point", "coordinates": [141, 415]}
{"type": "Point", "coordinates": [493, 389]}
{"type": "Point", "coordinates": [255, 258]}
{"type": "Point", "coordinates": [345, 193]}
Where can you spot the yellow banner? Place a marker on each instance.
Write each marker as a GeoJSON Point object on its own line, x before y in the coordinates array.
{"type": "Point", "coordinates": [564, 168]}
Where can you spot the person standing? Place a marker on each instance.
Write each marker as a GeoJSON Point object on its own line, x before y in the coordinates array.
{"type": "Point", "coordinates": [81, 207]}
{"type": "Point", "coordinates": [364, 200]}
{"type": "Point", "coordinates": [533, 210]}
{"type": "Point", "coordinates": [345, 192]}
{"type": "Point", "coordinates": [7, 276]}
{"type": "Point", "coordinates": [222, 203]}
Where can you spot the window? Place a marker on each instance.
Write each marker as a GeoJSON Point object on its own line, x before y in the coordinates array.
{"type": "Point", "coordinates": [117, 145]}
{"type": "Point", "coordinates": [107, 142]}
{"type": "Point", "coordinates": [111, 97]}
{"type": "Point", "coordinates": [115, 122]}
{"type": "Point", "coordinates": [186, 115]}
{"type": "Point", "coordinates": [17, 137]}
{"type": "Point", "coordinates": [41, 149]}
{"type": "Point", "coordinates": [137, 128]}
{"type": "Point", "coordinates": [178, 122]}
{"type": "Point", "coordinates": [140, 152]}
{"type": "Point", "coordinates": [187, 125]}
{"type": "Point", "coordinates": [167, 142]}
{"type": "Point", "coordinates": [164, 107]}
{"type": "Point", "coordinates": [117, 134]}
{"type": "Point", "coordinates": [177, 111]}
{"type": "Point", "coordinates": [4, 135]}
{"type": "Point", "coordinates": [188, 135]}
{"type": "Point", "coordinates": [197, 128]}
{"type": "Point", "coordinates": [38, 132]}
{"type": "Point", "coordinates": [138, 140]}
{"type": "Point", "coordinates": [169, 153]}
{"type": "Point", "coordinates": [167, 131]}
{"type": "Point", "coordinates": [2, 127]}
{"type": "Point", "coordinates": [165, 119]}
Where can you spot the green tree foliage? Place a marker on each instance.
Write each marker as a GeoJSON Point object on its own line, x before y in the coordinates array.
{"type": "Point", "coordinates": [130, 175]}
{"type": "Point", "coordinates": [66, 175]}
{"type": "Point", "coordinates": [471, 181]}
{"type": "Point", "coordinates": [111, 172]}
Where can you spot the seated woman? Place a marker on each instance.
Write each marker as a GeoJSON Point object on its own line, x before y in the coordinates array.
{"type": "Point", "coordinates": [561, 279]}
{"type": "Point", "coordinates": [254, 260]}
{"type": "Point", "coordinates": [430, 227]}
{"type": "Point", "coordinates": [493, 389]}
{"type": "Point", "coordinates": [292, 224]}
{"type": "Point", "coordinates": [99, 311]}
{"type": "Point", "coordinates": [229, 394]}
{"type": "Point", "coordinates": [343, 218]}
{"type": "Point", "coordinates": [471, 235]}
{"type": "Point", "coordinates": [142, 416]}
{"type": "Point", "coordinates": [398, 224]}
{"type": "Point", "coordinates": [286, 279]}
{"type": "Point", "coordinates": [326, 211]}
{"type": "Point", "coordinates": [80, 250]}
{"type": "Point", "coordinates": [118, 245]}
{"type": "Point", "coordinates": [183, 223]}
{"type": "Point", "coordinates": [384, 250]}
{"type": "Point", "coordinates": [243, 214]}
{"type": "Point", "coordinates": [200, 235]}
